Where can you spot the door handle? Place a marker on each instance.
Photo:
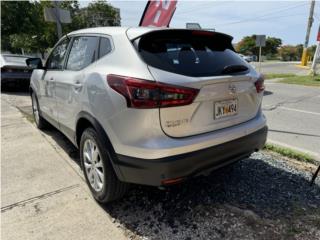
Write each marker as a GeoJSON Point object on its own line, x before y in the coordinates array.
{"type": "Point", "coordinates": [51, 79]}
{"type": "Point", "coordinates": [77, 85]}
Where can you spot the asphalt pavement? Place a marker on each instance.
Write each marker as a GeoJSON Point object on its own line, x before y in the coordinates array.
{"type": "Point", "coordinates": [293, 116]}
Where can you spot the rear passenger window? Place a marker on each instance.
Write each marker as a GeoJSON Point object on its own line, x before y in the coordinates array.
{"type": "Point", "coordinates": [83, 52]}
{"type": "Point", "coordinates": [105, 47]}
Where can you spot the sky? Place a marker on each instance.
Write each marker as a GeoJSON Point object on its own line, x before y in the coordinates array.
{"type": "Point", "coordinates": [283, 19]}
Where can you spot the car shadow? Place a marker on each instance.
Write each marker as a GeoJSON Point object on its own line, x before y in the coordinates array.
{"type": "Point", "coordinates": [251, 184]}
{"type": "Point", "coordinates": [64, 143]}
{"type": "Point", "coordinates": [266, 93]}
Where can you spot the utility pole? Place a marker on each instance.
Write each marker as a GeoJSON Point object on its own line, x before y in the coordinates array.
{"type": "Point", "coordinates": [57, 14]}
{"type": "Point", "coordinates": [304, 59]}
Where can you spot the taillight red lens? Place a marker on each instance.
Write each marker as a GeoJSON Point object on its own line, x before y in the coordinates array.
{"type": "Point", "coordinates": [260, 84]}
{"type": "Point", "coordinates": [148, 94]}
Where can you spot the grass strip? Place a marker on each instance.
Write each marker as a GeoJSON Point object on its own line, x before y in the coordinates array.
{"type": "Point", "coordinates": [278, 75]}
{"type": "Point", "coordinates": [302, 80]}
{"type": "Point", "coordinates": [288, 152]}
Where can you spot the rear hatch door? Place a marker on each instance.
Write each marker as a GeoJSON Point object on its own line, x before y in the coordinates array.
{"type": "Point", "coordinates": [206, 61]}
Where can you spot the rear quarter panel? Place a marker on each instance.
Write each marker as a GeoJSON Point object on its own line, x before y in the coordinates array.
{"type": "Point", "coordinates": [126, 127]}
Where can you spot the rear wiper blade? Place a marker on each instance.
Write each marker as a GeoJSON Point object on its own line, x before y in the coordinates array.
{"type": "Point", "coordinates": [234, 69]}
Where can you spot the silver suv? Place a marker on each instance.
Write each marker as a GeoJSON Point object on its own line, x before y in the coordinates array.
{"type": "Point", "coordinates": [149, 106]}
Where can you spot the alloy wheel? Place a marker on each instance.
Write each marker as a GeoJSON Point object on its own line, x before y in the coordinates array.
{"type": "Point", "coordinates": [35, 109]}
{"type": "Point", "coordinates": [93, 165]}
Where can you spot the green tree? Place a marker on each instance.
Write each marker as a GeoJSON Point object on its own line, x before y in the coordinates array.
{"type": "Point", "coordinates": [294, 53]}
{"type": "Point", "coordinates": [15, 18]}
{"type": "Point", "coordinates": [23, 25]}
{"type": "Point", "coordinates": [272, 45]}
{"type": "Point", "coordinates": [78, 21]}
{"type": "Point", "coordinates": [299, 50]}
{"type": "Point", "coordinates": [288, 53]}
{"type": "Point", "coordinates": [100, 13]}
{"type": "Point", "coordinates": [247, 46]}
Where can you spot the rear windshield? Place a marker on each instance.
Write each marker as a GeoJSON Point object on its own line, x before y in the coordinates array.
{"type": "Point", "coordinates": [190, 53]}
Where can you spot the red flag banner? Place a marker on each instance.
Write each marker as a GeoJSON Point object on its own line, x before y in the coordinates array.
{"type": "Point", "coordinates": [158, 13]}
{"type": "Point", "coordinates": [318, 37]}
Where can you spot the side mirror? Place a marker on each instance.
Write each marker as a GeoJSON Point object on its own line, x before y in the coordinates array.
{"type": "Point", "coordinates": [34, 63]}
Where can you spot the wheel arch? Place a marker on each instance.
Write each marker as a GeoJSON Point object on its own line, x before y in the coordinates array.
{"type": "Point", "coordinates": [85, 120]}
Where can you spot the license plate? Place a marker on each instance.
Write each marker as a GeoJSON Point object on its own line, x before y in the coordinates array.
{"type": "Point", "coordinates": [225, 108]}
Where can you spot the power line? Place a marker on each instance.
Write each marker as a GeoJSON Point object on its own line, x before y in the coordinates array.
{"type": "Point", "coordinates": [284, 16]}
{"type": "Point", "coordinates": [203, 5]}
{"type": "Point", "coordinates": [261, 16]}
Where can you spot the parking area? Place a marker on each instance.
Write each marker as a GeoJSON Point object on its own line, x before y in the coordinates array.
{"type": "Point", "coordinates": [44, 195]}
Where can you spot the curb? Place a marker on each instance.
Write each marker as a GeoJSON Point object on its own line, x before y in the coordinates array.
{"type": "Point", "coordinates": [314, 155]}
{"type": "Point", "coordinates": [304, 67]}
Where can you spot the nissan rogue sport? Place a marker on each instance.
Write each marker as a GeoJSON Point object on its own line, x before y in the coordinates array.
{"type": "Point", "coordinates": [149, 106]}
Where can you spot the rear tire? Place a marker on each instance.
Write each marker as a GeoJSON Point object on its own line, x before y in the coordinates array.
{"type": "Point", "coordinates": [97, 168]}
{"type": "Point", "coordinates": [38, 119]}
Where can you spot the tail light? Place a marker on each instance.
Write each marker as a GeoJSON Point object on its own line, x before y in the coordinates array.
{"type": "Point", "coordinates": [260, 84]}
{"type": "Point", "coordinates": [148, 94]}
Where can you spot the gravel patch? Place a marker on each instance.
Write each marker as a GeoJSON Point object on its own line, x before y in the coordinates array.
{"type": "Point", "coordinates": [256, 198]}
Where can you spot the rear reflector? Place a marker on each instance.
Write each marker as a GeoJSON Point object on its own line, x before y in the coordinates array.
{"type": "Point", "coordinates": [148, 94]}
{"type": "Point", "coordinates": [171, 181]}
{"type": "Point", "coordinates": [260, 84]}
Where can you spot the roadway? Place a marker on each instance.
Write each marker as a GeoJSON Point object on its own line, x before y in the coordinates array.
{"type": "Point", "coordinates": [293, 115]}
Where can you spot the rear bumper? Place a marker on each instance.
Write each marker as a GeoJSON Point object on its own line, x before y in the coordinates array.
{"type": "Point", "coordinates": [154, 172]}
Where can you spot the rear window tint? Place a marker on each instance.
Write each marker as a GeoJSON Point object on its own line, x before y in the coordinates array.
{"type": "Point", "coordinates": [190, 53]}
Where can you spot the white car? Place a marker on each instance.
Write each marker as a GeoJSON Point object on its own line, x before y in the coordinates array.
{"type": "Point", "coordinates": [247, 58]}
{"type": "Point", "coordinates": [14, 69]}
{"type": "Point", "coordinates": [149, 106]}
